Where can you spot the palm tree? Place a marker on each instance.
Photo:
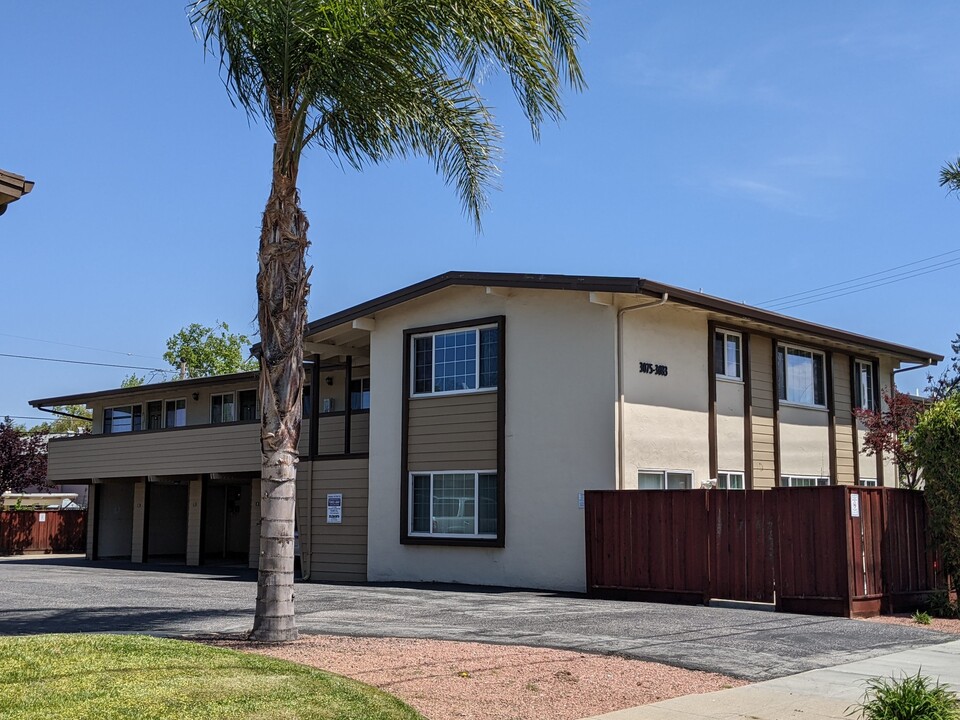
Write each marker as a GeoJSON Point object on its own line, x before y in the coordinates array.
{"type": "Point", "coordinates": [365, 80]}
{"type": "Point", "coordinates": [950, 176]}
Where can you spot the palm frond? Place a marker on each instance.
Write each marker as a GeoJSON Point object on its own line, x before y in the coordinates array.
{"type": "Point", "coordinates": [950, 176]}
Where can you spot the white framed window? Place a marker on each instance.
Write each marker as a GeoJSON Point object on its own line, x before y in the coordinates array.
{"type": "Point", "coordinates": [456, 361]}
{"type": "Point", "coordinates": [453, 504]}
{"type": "Point", "coordinates": [867, 482]}
{"type": "Point", "coordinates": [175, 413]}
{"type": "Point", "coordinates": [803, 481]}
{"type": "Point", "coordinates": [727, 363]}
{"type": "Point", "coordinates": [222, 408]}
{"type": "Point", "coordinates": [122, 419]}
{"type": "Point", "coordinates": [863, 385]}
{"type": "Point", "coordinates": [730, 481]}
{"type": "Point", "coordinates": [665, 480]}
{"type": "Point", "coordinates": [801, 376]}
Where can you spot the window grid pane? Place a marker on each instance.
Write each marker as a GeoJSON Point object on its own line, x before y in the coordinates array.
{"type": "Point", "coordinates": [650, 480]}
{"type": "Point", "coordinates": [719, 361]}
{"type": "Point", "coordinates": [454, 501]}
{"type": "Point", "coordinates": [489, 357]}
{"type": "Point", "coordinates": [421, 504]}
{"type": "Point", "coordinates": [455, 361]}
{"type": "Point", "coordinates": [733, 356]}
{"type": "Point", "coordinates": [487, 504]}
{"type": "Point", "coordinates": [423, 364]}
{"type": "Point", "coordinates": [679, 481]}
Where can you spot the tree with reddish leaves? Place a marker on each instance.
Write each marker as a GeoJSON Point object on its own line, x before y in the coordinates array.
{"type": "Point", "coordinates": [949, 381]}
{"type": "Point", "coordinates": [890, 431]}
{"type": "Point", "coordinates": [23, 459]}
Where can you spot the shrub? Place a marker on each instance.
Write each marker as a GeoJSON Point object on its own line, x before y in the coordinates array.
{"type": "Point", "coordinates": [912, 697]}
{"type": "Point", "coordinates": [939, 605]}
{"type": "Point", "coordinates": [921, 618]}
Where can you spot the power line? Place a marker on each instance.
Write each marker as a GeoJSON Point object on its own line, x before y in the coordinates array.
{"type": "Point", "coordinates": [917, 273]}
{"type": "Point", "coordinates": [23, 417]}
{"type": "Point", "coordinates": [776, 300]}
{"type": "Point", "coordinates": [85, 362]}
{"type": "Point", "coordinates": [81, 347]}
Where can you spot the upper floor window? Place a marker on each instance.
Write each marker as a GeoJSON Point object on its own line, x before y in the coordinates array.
{"type": "Point", "coordinates": [863, 389]}
{"type": "Point", "coordinates": [456, 361]}
{"type": "Point", "coordinates": [126, 418]}
{"type": "Point", "coordinates": [247, 404]}
{"type": "Point", "coordinates": [800, 376]}
{"type": "Point", "coordinates": [726, 355]}
{"type": "Point", "coordinates": [222, 408]}
{"type": "Point", "coordinates": [360, 394]}
{"type": "Point", "coordinates": [175, 413]}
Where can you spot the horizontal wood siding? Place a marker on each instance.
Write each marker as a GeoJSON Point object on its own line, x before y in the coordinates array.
{"type": "Point", "coordinates": [454, 432]}
{"type": "Point", "coordinates": [763, 387]}
{"type": "Point", "coordinates": [219, 448]}
{"type": "Point", "coordinates": [330, 439]}
{"type": "Point", "coordinates": [338, 552]}
{"type": "Point", "coordinates": [843, 432]}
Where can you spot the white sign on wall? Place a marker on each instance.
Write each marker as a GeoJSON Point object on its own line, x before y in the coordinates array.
{"type": "Point", "coordinates": [335, 508]}
{"type": "Point", "coordinates": [42, 517]}
{"type": "Point", "coordinates": [854, 505]}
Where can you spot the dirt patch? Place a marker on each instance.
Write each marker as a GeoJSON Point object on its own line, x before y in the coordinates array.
{"type": "Point", "coordinates": [943, 625]}
{"type": "Point", "coordinates": [474, 681]}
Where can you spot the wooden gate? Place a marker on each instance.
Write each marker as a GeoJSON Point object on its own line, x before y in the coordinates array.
{"type": "Point", "coordinates": [837, 550]}
{"type": "Point", "coordinates": [42, 531]}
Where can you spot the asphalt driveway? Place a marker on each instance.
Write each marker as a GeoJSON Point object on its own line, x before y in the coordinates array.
{"type": "Point", "coordinates": [71, 595]}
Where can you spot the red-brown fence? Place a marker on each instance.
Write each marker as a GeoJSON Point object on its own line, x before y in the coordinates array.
{"type": "Point", "coordinates": [42, 531]}
{"type": "Point", "coordinates": [836, 550]}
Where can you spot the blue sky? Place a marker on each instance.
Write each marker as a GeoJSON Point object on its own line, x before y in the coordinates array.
{"type": "Point", "coordinates": [753, 150]}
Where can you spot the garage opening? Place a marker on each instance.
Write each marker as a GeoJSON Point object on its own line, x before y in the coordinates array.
{"type": "Point", "coordinates": [167, 510]}
{"type": "Point", "coordinates": [114, 519]}
{"type": "Point", "coordinates": [226, 523]}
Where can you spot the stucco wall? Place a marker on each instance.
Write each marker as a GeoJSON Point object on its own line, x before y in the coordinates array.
{"type": "Point", "coordinates": [804, 441]}
{"type": "Point", "coordinates": [665, 422]}
{"type": "Point", "coordinates": [730, 445]}
{"type": "Point", "coordinates": [560, 409]}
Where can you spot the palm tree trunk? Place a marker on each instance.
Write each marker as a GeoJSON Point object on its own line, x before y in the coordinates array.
{"type": "Point", "coordinates": [282, 288]}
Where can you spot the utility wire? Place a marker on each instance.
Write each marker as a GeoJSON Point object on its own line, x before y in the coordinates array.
{"type": "Point", "coordinates": [23, 417]}
{"type": "Point", "coordinates": [776, 300]}
{"type": "Point", "coordinates": [917, 273]}
{"type": "Point", "coordinates": [82, 347]}
{"type": "Point", "coordinates": [85, 362]}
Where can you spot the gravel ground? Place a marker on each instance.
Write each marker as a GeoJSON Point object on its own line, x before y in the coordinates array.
{"type": "Point", "coordinates": [941, 624]}
{"type": "Point", "coordinates": [474, 681]}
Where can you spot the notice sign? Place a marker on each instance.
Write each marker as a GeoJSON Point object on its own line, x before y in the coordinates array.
{"type": "Point", "coordinates": [335, 508]}
{"type": "Point", "coordinates": [854, 505]}
{"type": "Point", "coordinates": [42, 517]}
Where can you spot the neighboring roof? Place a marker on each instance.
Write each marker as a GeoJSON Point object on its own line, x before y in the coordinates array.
{"type": "Point", "coordinates": [625, 285]}
{"type": "Point", "coordinates": [12, 188]}
{"type": "Point", "coordinates": [150, 388]}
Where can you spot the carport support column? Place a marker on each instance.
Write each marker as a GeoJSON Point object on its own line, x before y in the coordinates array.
{"type": "Point", "coordinates": [194, 521]}
{"type": "Point", "coordinates": [138, 545]}
{"type": "Point", "coordinates": [93, 498]}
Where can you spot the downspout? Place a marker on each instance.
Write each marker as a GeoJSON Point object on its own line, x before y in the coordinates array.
{"type": "Point", "coordinates": [65, 414]}
{"type": "Point", "coordinates": [620, 313]}
{"type": "Point", "coordinates": [928, 363]}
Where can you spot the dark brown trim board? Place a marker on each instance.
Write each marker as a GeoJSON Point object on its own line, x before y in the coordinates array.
{"type": "Point", "coordinates": [202, 541]}
{"type": "Point", "coordinates": [712, 450]}
{"type": "Point", "coordinates": [347, 404]}
{"type": "Point", "coordinates": [314, 443]}
{"type": "Point", "coordinates": [881, 480]}
{"type": "Point", "coordinates": [95, 549]}
{"type": "Point", "coordinates": [405, 537]}
{"type": "Point", "coordinates": [145, 544]}
{"type": "Point", "coordinates": [855, 434]}
{"type": "Point", "coordinates": [747, 412]}
{"type": "Point", "coordinates": [831, 418]}
{"type": "Point", "coordinates": [777, 472]}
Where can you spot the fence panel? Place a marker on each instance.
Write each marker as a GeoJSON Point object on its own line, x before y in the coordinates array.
{"type": "Point", "coordinates": [647, 544]}
{"type": "Point", "coordinates": [741, 546]}
{"type": "Point", "coordinates": [909, 560]}
{"type": "Point", "coordinates": [865, 528]}
{"type": "Point", "coordinates": [46, 531]}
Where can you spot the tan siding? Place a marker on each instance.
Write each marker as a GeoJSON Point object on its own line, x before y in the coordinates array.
{"type": "Point", "coordinates": [190, 451]}
{"type": "Point", "coordinates": [762, 389]}
{"type": "Point", "coordinates": [338, 551]}
{"type": "Point", "coordinates": [454, 432]}
{"type": "Point", "coordinates": [194, 506]}
{"type": "Point", "coordinates": [842, 399]}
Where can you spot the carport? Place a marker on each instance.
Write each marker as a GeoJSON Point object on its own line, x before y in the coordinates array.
{"type": "Point", "coordinates": [226, 520]}
{"type": "Point", "coordinates": [113, 520]}
{"type": "Point", "coordinates": [166, 518]}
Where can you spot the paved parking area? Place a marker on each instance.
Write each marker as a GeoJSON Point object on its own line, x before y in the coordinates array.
{"type": "Point", "coordinates": [72, 595]}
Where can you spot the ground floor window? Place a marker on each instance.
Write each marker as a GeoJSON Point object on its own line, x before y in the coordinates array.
{"type": "Point", "coordinates": [665, 480]}
{"type": "Point", "coordinates": [867, 482]}
{"type": "Point", "coordinates": [453, 504]}
{"type": "Point", "coordinates": [730, 481]}
{"type": "Point", "coordinates": [803, 481]}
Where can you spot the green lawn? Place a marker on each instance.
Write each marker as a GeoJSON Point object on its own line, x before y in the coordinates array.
{"type": "Point", "coordinates": [132, 676]}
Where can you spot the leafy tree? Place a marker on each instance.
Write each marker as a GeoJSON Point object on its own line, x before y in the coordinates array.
{"type": "Point", "coordinates": [23, 458]}
{"type": "Point", "coordinates": [200, 351]}
{"type": "Point", "coordinates": [891, 431]}
{"type": "Point", "coordinates": [367, 81]}
{"type": "Point", "coordinates": [937, 443]}
{"type": "Point", "coordinates": [133, 380]}
{"type": "Point", "coordinates": [61, 424]}
{"type": "Point", "coordinates": [949, 381]}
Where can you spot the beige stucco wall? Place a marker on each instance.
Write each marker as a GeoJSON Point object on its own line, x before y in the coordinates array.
{"type": "Point", "coordinates": [665, 421]}
{"type": "Point", "coordinates": [730, 445]}
{"type": "Point", "coordinates": [560, 409]}
{"type": "Point", "coordinates": [804, 441]}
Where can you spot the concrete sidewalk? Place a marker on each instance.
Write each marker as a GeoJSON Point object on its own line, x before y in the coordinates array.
{"type": "Point", "coordinates": [825, 694]}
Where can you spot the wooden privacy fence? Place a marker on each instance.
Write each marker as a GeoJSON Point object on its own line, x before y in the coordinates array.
{"type": "Point", "coordinates": [830, 550]}
{"type": "Point", "coordinates": [42, 531]}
